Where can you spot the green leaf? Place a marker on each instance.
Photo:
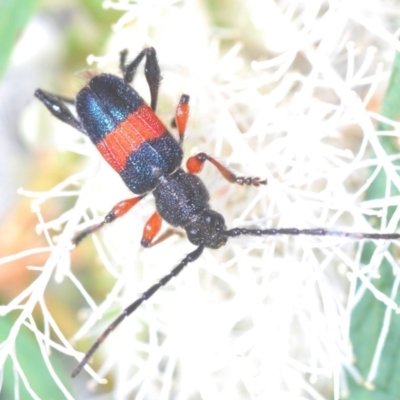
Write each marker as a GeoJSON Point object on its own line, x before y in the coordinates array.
{"type": "Point", "coordinates": [31, 361]}
{"type": "Point", "coordinates": [14, 14]}
{"type": "Point", "coordinates": [368, 315]}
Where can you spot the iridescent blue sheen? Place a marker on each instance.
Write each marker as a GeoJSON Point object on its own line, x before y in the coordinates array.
{"type": "Point", "coordinates": [104, 103]}
{"type": "Point", "coordinates": [153, 159]}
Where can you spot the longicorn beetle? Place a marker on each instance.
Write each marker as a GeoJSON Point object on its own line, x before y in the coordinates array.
{"type": "Point", "coordinates": [132, 139]}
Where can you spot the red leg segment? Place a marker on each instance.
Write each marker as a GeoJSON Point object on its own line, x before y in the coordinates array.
{"type": "Point", "coordinates": [117, 211]}
{"type": "Point", "coordinates": [181, 116]}
{"type": "Point", "coordinates": [195, 165]}
{"type": "Point", "coordinates": [151, 229]}
{"type": "Point", "coordinates": [168, 233]}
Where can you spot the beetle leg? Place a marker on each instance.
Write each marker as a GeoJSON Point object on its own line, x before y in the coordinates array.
{"type": "Point", "coordinates": [151, 229]}
{"type": "Point", "coordinates": [151, 71]}
{"type": "Point", "coordinates": [56, 105]}
{"type": "Point", "coordinates": [182, 116]}
{"type": "Point", "coordinates": [195, 164]}
{"type": "Point", "coordinates": [117, 211]}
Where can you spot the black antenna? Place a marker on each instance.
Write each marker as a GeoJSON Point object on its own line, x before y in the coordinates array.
{"type": "Point", "coordinates": [132, 307]}
{"type": "Point", "coordinates": [196, 254]}
{"type": "Point", "coordinates": [310, 232]}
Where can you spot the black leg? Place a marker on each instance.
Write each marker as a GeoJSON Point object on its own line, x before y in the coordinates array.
{"type": "Point", "coordinates": [151, 71]}
{"type": "Point", "coordinates": [56, 105]}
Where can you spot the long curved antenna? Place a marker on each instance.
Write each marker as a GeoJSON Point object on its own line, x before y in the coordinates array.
{"type": "Point", "coordinates": [311, 232]}
{"type": "Point", "coordinates": [132, 307]}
